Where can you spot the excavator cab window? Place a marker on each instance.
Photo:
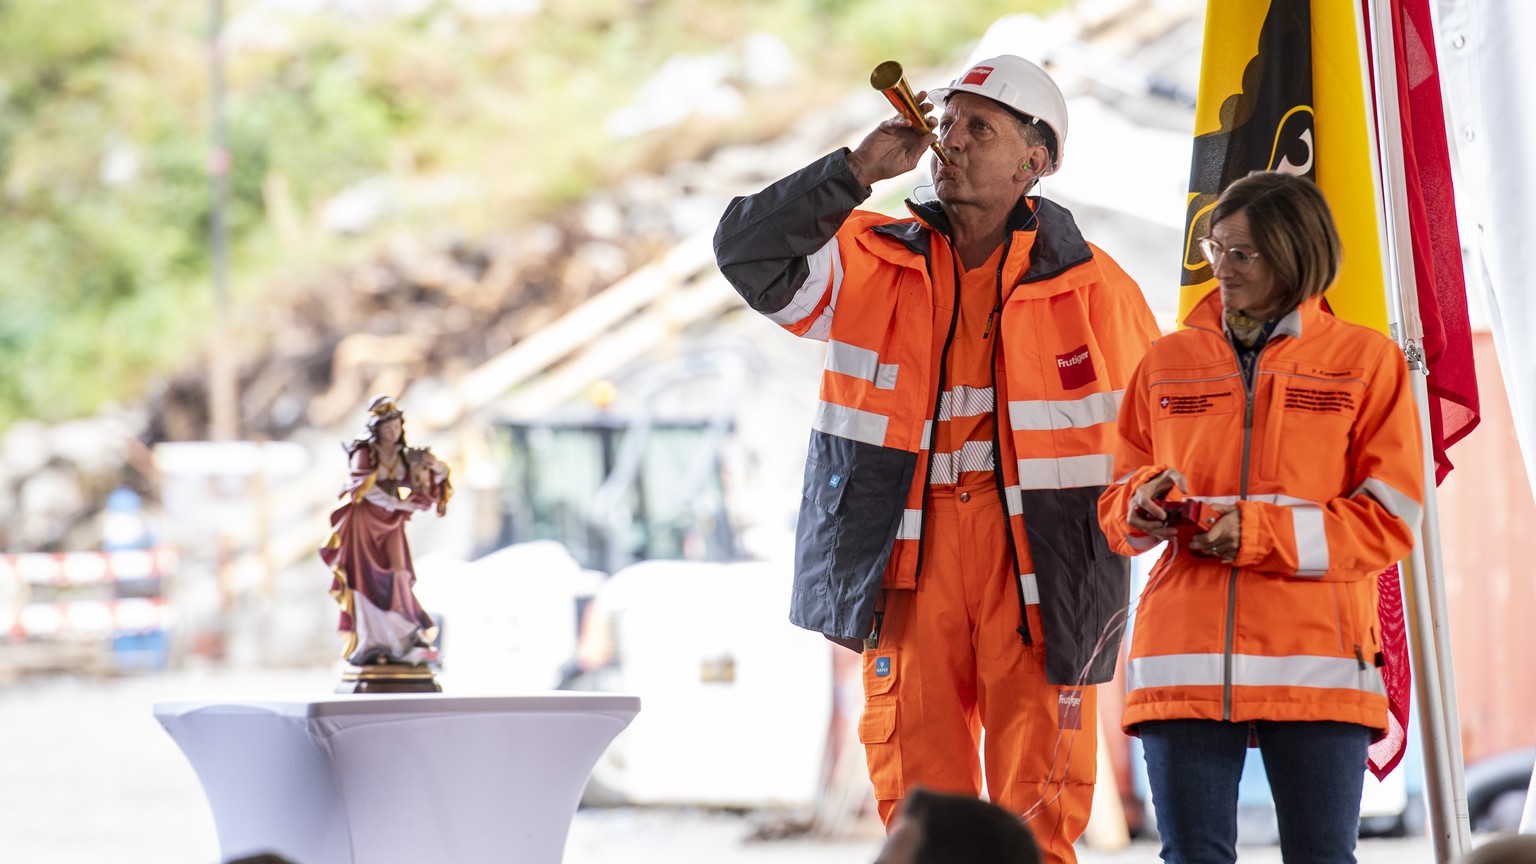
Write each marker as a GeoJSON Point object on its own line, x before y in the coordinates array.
{"type": "Point", "coordinates": [614, 492]}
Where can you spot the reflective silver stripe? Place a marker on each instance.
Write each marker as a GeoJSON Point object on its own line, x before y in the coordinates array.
{"type": "Point", "coordinates": [1396, 502]}
{"type": "Point", "coordinates": [911, 525]}
{"type": "Point", "coordinates": [1120, 481]}
{"type": "Point", "coordinates": [857, 362]}
{"type": "Point", "coordinates": [1311, 540]}
{"type": "Point", "coordinates": [1069, 472]}
{"type": "Point", "coordinates": [823, 326]}
{"type": "Point", "coordinates": [1282, 500]}
{"type": "Point", "coordinates": [1304, 670]}
{"type": "Point", "coordinates": [1173, 670]}
{"type": "Point", "coordinates": [927, 434]}
{"type": "Point", "coordinates": [1251, 670]}
{"type": "Point", "coordinates": [850, 423]}
{"type": "Point", "coordinates": [826, 272]}
{"type": "Point", "coordinates": [966, 402]}
{"type": "Point", "coordinates": [1043, 415]}
{"type": "Point", "coordinates": [1031, 589]}
{"type": "Point", "coordinates": [972, 456]}
{"type": "Point", "coordinates": [1015, 497]}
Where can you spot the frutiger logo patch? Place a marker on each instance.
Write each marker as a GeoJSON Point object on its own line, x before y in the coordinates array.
{"type": "Point", "coordinates": [1069, 709]}
{"type": "Point", "coordinates": [1076, 368]}
{"type": "Point", "coordinates": [977, 75]}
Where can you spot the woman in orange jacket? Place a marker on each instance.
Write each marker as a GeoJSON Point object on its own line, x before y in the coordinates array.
{"type": "Point", "coordinates": [1277, 451]}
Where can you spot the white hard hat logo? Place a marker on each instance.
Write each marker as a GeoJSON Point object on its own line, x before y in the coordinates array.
{"type": "Point", "coordinates": [977, 76]}
{"type": "Point", "coordinates": [1023, 87]}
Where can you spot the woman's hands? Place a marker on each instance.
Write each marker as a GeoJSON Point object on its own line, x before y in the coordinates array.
{"type": "Point", "coordinates": [1148, 516]}
{"type": "Point", "coordinates": [1223, 539]}
{"type": "Point", "coordinates": [1148, 500]}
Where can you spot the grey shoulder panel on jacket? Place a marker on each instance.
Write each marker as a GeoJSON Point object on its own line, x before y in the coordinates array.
{"type": "Point", "coordinates": [1059, 244]}
{"type": "Point", "coordinates": [763, 239]}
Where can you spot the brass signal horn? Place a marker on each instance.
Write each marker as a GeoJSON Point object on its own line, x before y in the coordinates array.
{"type": "Point", "coordinates": [889, 79]}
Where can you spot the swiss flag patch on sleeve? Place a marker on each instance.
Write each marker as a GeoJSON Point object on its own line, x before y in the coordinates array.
{"type": "Point", "coordinates": [1076, 368]}
{"type": "Point", "coordinates": [977, 75]}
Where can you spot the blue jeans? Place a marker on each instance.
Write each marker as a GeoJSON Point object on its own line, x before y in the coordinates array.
{"type": "Point", "coordinates": [1316, 773]}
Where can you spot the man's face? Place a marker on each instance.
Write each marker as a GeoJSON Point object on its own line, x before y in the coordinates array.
{"type": "Point", "coordinates": [986, 150]}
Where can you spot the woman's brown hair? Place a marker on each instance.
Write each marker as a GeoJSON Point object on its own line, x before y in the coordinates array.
{"type": "Point", "coordinates": [1292, 230]}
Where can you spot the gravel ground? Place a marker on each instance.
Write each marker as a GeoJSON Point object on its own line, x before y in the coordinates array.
{"type": "Point", "coordinates": [87, 775]}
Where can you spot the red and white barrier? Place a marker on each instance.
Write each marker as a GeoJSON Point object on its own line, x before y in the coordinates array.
{"type": "Point", "coordinates": [86, 568]}
{"type": "Point", "coordinates": [35, 589]}
{"type": "Point", "coordinates": [83, 620]}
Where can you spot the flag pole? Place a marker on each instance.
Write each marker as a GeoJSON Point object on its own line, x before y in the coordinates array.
{"type": "Point", "coordinates": [1428, 625]}
{"type": "Point", "coordinates": [1430, 650]}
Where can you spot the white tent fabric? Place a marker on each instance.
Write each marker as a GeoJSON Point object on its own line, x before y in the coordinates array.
{"type": "Point", "coordinates": [1489, 74]}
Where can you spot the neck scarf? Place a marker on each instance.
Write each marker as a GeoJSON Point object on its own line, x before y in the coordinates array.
{"type": "Point", "coordinates": [1245, 331]}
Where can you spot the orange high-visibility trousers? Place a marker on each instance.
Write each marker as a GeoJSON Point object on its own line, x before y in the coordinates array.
{"type": "Point", "coordinates": [951, 663]}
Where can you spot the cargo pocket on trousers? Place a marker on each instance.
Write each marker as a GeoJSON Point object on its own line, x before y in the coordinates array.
{"type": "Point", "coordinates": [877, 726]}
{"type": "Point", "coordinates": [877, 730]}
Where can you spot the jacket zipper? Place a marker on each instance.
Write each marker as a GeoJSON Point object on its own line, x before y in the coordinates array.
{"type": "Point", "coordinates": [1250, 391]}
{"type": "Point", "coordinates": [997, 452]}
{"type": "Point", "coordinates": [938, 403]}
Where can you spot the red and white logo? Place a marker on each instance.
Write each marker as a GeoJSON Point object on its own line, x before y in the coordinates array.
{"type": "Point", "coordinates": [1076, 368]}
{"type": "Point", "coordinates": [1163, 402]}
{"type": "Point", "coordinates": [1069, 708]}
{"type": "Point", "coordinates": [977, 75]}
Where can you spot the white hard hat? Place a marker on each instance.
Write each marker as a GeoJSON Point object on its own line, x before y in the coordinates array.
{"type": "Point", "coordinates": [1022, 86]}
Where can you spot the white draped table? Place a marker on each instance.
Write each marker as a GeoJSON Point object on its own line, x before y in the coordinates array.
{"type": "Point", "coordinates": [411, 778]}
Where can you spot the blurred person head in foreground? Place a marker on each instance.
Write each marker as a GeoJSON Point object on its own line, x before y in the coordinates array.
{"type": "Point", "coordinates": [934, 828]}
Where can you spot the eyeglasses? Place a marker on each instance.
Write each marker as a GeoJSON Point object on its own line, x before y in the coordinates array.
{"type": "Point", "coordinates": [1241, 259]}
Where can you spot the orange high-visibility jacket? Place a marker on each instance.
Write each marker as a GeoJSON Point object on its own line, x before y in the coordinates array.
{"type": "Point", "coordinates": [1323, 459]}
{"type": "Point", "coordinates": [1072, 328]}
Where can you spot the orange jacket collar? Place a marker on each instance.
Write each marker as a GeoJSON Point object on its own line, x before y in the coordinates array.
{"type": "Point", "coordinates": [1207, 314]}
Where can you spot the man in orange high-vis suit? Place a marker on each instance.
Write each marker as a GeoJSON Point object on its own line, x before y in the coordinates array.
{"type": "Point", "coordinates": [976, 355]}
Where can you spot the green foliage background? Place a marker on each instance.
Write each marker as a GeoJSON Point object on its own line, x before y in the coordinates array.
{"type": "Point", "coordinates": [104, 124]}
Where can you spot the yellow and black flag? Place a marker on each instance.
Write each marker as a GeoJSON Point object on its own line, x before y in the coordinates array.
{"type": "Point", "coordinates": [1282, 88]}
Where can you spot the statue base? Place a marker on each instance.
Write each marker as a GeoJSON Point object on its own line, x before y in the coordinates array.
{"type": "Point", "coordinates": [388, 678]}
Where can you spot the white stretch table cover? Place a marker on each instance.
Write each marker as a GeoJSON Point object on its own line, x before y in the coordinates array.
{"type": "Point", "coordinates": [417, 778]}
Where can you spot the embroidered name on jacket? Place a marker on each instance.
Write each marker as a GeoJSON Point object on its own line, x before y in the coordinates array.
{"type": "Point", "coordinates": [1318, 372]}
{"type": "Point", "coordinates": [1319, 401]}
{"type": "Point", "coordinates": [1076, 368]}
{"type": "Point", "coordinates": [1196, 404]}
